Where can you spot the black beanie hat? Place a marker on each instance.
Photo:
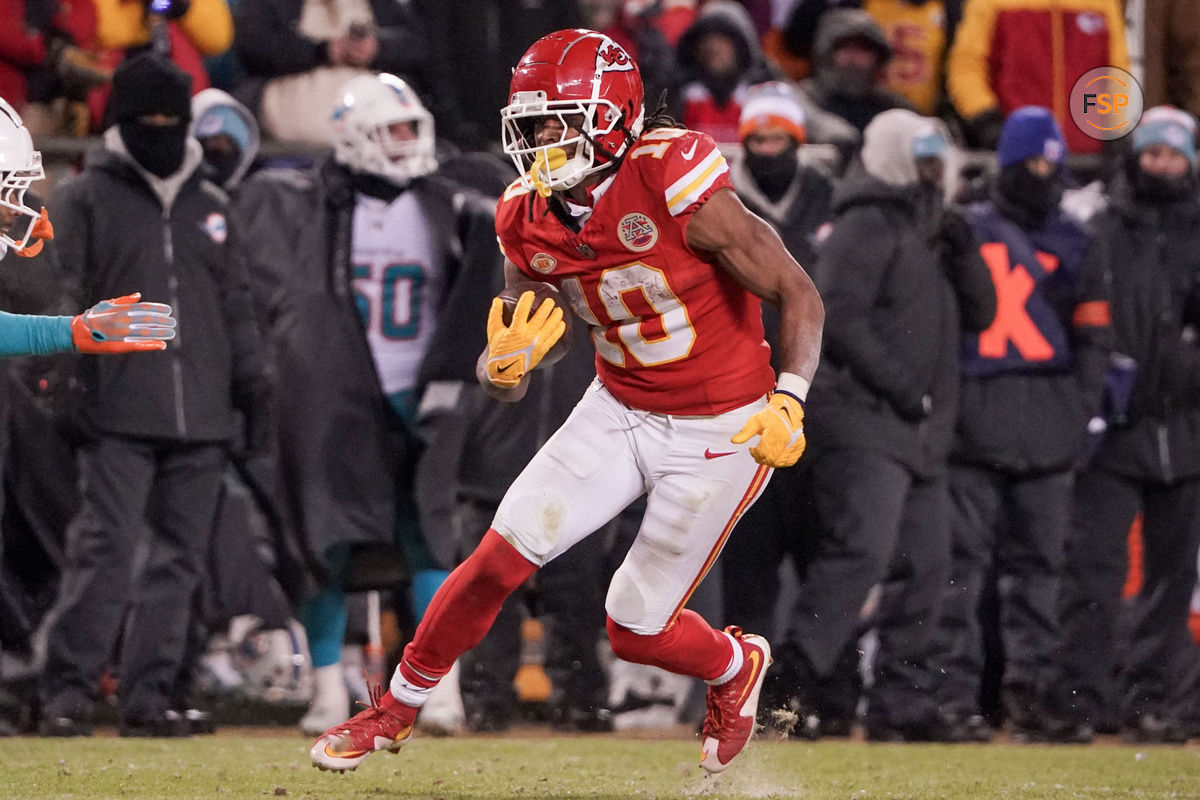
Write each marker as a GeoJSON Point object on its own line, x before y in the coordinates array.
{"type": "Point", "coordinates": [149, 83]}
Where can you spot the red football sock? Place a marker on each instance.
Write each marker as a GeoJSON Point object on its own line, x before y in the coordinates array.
{"type": "Point", "coordinates": [464, 608]}
{"type": "Point", "coordinates": [689, 646]}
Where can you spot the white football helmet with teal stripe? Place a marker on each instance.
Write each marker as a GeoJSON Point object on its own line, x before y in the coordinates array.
{"type": "Point", "coordinates": [367, 137]}
{"type": "Point", "coordinates": [20, 166]}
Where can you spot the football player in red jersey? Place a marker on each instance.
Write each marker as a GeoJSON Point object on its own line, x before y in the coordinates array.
{"type": "Point", "coordinates": [636, 223]}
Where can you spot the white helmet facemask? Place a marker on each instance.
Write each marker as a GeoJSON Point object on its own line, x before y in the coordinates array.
{"type": "Point", "coordinates": [20, 166]}
{"type": "Point", "coordinates": [547, 167]}
{"type": "Point", "coordinates": [381, 128]}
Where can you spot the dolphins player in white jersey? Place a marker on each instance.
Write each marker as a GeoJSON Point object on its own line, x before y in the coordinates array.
{"type": "Point", "coordinates": [367, 267]}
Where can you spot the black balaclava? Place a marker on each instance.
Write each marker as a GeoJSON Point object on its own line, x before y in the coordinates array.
{"type": "Point", "coordinates": [145, 84]}
{"type": "Point", "coordinates": [220, 163]}
{"type": "Point", "coordinates": [1029, 199]}
{"type": "Point", "coordinates": [1159, 189]}
{"type": "Point", "coordinates": [773, 174]}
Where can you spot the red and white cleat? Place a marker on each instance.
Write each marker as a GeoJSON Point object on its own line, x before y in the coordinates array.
{"type": "Point", "coordinates": [386, 725]}
{"type": "Point", "coordinates": [729, 723]}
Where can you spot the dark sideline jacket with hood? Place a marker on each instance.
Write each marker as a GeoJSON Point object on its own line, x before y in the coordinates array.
{"type": "Point", "coordinates": [171, 248]}
{"type": "Point", "coordinates": [892, 318]}
{"type": "Point", "coordinates": [1153, 255]}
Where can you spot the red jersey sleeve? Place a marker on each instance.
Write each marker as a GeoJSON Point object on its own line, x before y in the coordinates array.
{"type": "Point", "coordinates": [691, 168]}
{"type": "Point", "coordinates": [509, 210]}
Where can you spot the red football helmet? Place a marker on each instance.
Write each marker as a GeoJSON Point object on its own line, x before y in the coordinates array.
{"type": "Point", "coordinates": [589, 83]}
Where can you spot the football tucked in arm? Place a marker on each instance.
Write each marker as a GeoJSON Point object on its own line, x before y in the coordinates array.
{"type": "Point", "coordinates": [542, 291]}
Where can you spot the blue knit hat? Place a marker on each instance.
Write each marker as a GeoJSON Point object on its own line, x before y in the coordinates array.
{"type": "Point", "coordinates": [1167, 125]}
{"type": "Point", "coordinates": [224, 119]}
{"type": "Point", "coordinates": [1029, 132]}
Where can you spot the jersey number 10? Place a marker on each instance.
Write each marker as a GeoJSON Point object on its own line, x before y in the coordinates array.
{"type": "Point", "coordinates": [633, 310]}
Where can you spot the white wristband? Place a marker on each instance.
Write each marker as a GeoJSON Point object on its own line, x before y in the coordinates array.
{"type": "Point", "coordinates": [793, 385]}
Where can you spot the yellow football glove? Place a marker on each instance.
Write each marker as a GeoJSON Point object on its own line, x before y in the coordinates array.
{"type": "Point", "coordinates": [515, 349]}
{"type": "Point", "coordinates": [781, 429]}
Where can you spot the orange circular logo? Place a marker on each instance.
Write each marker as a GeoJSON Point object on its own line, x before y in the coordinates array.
{"type": "Point", "coordinates": [1106, 103]}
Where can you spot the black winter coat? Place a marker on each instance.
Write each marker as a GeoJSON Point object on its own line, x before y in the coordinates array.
{"type": "Point", "coordinates": [1152, 252]}
{"type": "Point", "coordinates": [891, 331]}
{"type": "Point", "coordinates": [342, 451]}
{"type": "Point", "coordinates": [114, 235]}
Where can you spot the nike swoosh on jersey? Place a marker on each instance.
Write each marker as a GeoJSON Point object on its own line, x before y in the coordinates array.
{"type": "Point", "coordinates": [691, 151]}
{"type": "Point", "coordinates": [708, 453]}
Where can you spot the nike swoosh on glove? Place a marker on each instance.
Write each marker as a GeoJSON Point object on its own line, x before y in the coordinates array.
{"type": "Point", "coordinates": [123, 325]}
{"type": "Point", "coordinates": [780, 427]}
{"type": "Point", "coordinates": [515, 349]}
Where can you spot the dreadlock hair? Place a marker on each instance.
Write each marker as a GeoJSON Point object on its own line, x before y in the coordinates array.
{"type": "Point", "coordinates": [660, 117]}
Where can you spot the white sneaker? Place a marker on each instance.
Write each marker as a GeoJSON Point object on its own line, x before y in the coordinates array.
{"type": "Point", "coordinates": [331, 701]}
{"type": "Point", "coordinates": [443, 713]}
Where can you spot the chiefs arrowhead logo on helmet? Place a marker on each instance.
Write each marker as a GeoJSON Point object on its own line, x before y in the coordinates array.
{"type": "Point", "coordinates": [614, 57]}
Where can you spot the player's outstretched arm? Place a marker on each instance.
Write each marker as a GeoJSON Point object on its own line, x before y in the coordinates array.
{"type": "Point", "coordinates": [750, 250]}
{"type": "Point", "coordinates": [114, 326]}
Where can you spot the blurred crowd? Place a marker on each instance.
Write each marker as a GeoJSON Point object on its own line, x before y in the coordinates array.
{"type": "Point", "coordinates": [997, 522]}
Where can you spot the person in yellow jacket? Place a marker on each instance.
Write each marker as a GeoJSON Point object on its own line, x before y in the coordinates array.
{"type": "Point", "coordinates": [188, 31]}
{"type": "Point", "coordinates": [916, 30]}
{"type": "Point", "coordinates": [1012, 53]}
{"type": "Point", "coordinates": [122, 24]}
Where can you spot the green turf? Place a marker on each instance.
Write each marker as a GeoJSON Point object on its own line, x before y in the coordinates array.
{"type": "Point", "coordinates": [592, 767]}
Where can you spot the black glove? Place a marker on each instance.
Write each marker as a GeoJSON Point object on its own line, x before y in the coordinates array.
{"type": "Point", "coordinates": [915, 409]}
{"type": "Point", "coordinates": [254, 401]}
{"type": "Point", "coordinates": [956, 233]}
{"type": "Point", "coordinates": [983, 130]}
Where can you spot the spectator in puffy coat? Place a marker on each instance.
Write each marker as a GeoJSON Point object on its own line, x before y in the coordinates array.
{"type": "Point", "coordinates": [228, 133]}
{"type": "Point", "coordinates": [719, 59]}
{"type": "Point", "coordinates": [1149, 457]}
{"type": "Point", "coordinates": [1012, 53]}
{"type": "Point", "coordinates": [1030, 383]}
{"type": "Point", "coordinates": [883, 406]}
{"type": "Point", "coordinates": [852, 56]}
{"type": "Point", "coordinates": [38, 41]}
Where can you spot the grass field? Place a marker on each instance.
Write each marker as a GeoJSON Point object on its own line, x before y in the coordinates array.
{"type": "Point", "coordinates": [609, 767]}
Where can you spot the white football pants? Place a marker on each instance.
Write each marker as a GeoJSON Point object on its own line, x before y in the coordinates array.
{"type": "Point", "coordinates": [602, 459]}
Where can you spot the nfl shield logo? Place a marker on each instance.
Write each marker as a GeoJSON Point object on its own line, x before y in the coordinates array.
{"type": "Point", "coordinates": [637, 232]}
